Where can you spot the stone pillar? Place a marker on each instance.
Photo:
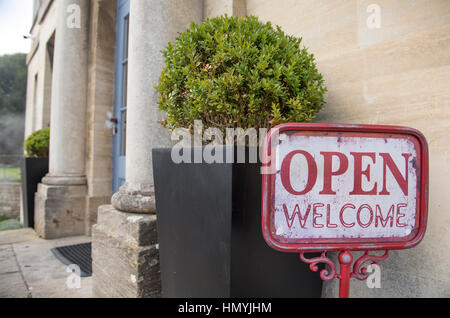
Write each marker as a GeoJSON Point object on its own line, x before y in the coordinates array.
{"type": "Point", "coordinates": [124, 228]}
{"type": "Point", "coordinates": [61, 197]}
{"type": "Point", "coordinates": [213, 8]}
{"type": "Point", "coordinates": [99, 146]}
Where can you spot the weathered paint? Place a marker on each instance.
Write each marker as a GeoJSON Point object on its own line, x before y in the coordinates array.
{"type": "Point", "coordinates": [340, 187]}
{"type": "Point", "coordinates": [317, 225]}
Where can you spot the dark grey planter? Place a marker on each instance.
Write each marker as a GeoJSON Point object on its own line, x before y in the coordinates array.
{"type": "Point", "coordinates": [33, 170]}
{"type": "Point", "coordinates": [209, 234]}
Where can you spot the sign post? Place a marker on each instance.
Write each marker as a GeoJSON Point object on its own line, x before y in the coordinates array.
{"type": "Point", "coordinates": [333, 187]}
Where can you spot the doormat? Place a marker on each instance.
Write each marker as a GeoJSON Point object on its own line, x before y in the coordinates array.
{"type": "Point", "coordinates": [79, 254]}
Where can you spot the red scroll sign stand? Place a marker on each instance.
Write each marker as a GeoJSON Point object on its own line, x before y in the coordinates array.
{"type": "Point", "coordinates": [345, 261]}
{"type": "Point", "coordinates": [310, 141]}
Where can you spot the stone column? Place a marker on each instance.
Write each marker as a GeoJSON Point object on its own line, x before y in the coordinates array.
{"type": "Point", "coordinates": [213, 8]}
{"type": "Point", "coordinates": [60, 200]}
{"type": "Point", "coordinates": [152, 25]}
{"type": "Point", "coordinates": [128, 227]}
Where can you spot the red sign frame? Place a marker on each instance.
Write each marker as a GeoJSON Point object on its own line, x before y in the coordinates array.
{"type": "Point", "coordinates": [315, 245]}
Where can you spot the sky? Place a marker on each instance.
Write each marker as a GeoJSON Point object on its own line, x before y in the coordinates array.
{"type": "Point", "coordinates": [15, 22]}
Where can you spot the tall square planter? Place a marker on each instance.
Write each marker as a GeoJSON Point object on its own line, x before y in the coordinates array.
{"type": "Point", "coordinates": [33, 170]}
{"type": "Point", "coordinates": [209, 234]}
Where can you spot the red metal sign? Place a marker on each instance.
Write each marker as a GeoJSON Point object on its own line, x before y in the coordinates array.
{"type": "Point", "coordinates": [332, 187]}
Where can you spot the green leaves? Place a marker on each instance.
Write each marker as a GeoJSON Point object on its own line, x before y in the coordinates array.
{"type": "Point", "coordinates": [37, 144]}
{"type": "Point", "coordinates": [238, 72]}
{"type": "Point", "coordinates": [13, 83]}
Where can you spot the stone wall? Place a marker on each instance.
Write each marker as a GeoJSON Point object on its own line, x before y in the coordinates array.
{"type": "Point", "coordinates": [125, 255]}
{"type": "Point", "coordinates": [10, 196]}
{"type": "Point", "coordinates": [100, 101]}
{"type": "Point", "coordinates": [394, 74]}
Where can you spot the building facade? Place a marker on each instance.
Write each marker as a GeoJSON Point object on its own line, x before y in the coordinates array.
{"type": "Point", "coordinates": [92, 69]}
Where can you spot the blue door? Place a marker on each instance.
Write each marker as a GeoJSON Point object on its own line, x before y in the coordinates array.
{"type": "Point", "coordinates": [120, 94]}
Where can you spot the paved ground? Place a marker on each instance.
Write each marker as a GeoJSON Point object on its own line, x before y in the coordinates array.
{"type": "Point", "coordinates": [29, 269]}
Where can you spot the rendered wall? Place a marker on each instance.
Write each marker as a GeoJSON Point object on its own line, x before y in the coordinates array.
{"type": "Point", "coordinates": [38, 98]}
{"type": "Point", "coordinates": [100, 101]}
{"type": "Point", "coordinates": [397, 74]}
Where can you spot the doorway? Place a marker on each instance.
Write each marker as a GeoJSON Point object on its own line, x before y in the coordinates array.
{"type": "Point", "coordinates": [120, 94]}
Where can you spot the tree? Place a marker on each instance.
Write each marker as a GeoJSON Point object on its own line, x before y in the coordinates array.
{"type": "Point", "coordinates": [234, 72]}
{"type": "Point", "coordinates": [13, 83]}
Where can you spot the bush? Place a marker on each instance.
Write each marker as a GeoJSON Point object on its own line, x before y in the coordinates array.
{"type": "Point", "coordinates": [238, 72]}
{"type": "Point", "coordinates": [37, 144]}
{"type": "Point", "coordinates": [10, 224]}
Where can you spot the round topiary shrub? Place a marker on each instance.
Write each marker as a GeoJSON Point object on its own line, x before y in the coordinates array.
{"type": "Point", "coordinates": [238, 72]}
{"type": "Point", "coordinates": [37, 144]}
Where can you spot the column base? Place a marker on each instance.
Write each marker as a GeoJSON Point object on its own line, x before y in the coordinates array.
{"type": "Point", "coordinates": [125, 256]}
{"type": "Point", "coordinates": [92, 205]}
{"type": "Point", "coordinates": [66, 179]}
{"type": "Point", "coordinates": [136, 198]}
{"type": "Point", "coordinates": [60, 210]}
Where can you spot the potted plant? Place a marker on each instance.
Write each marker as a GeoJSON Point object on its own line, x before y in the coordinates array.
{"type": "Point", "coordinates": [232, 76]}
{"type": "Point", "coordinates": [34, 168]}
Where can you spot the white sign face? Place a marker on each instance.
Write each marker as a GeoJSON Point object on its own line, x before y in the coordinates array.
{"type": "Point", "coordinates": [344, 186]}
